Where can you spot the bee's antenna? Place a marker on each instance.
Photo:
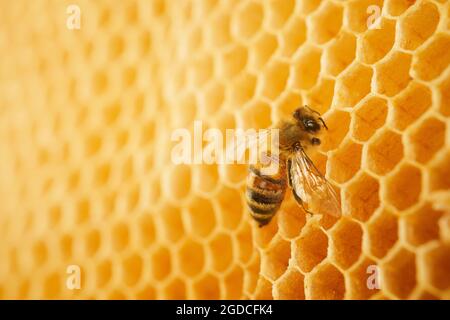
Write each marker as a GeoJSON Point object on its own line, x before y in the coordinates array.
{"type": "Point", "coordinates": [324, 124]}
{"type": "Point", "coordinates": [312, 110]}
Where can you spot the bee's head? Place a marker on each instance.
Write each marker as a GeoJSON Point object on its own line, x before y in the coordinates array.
{"type": "Point", "coordinates": [310, 121]}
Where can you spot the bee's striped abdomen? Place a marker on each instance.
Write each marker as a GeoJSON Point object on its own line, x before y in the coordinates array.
{"type": "Point", "coordinates": [264, 194]}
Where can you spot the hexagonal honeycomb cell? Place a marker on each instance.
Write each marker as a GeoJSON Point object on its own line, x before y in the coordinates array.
{"type": "Point", "coordinates": [87, 182]}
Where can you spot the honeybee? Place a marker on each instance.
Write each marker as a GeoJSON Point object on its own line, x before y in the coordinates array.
{"type": "Point", "coordinates": [311, 190]}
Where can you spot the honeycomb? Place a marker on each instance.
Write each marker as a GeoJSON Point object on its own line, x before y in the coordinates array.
{"type": "Point", "coordinates": [86, 117]}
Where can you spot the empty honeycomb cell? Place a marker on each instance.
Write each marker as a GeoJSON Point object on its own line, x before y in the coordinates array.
{"type": "Point", "coordinates": [310, 248]}
{"type": "Point", "coordinates": [321, 95]}
{"type": "Point", "coordinates": [194, 39]}
{"type": "Point", "coordinates": [147, 293]}
{"type": "Point", "coordinates": [201, 216]}
{"type": "Point", "coordinates": [439, 177]}
{"type": "Point", "coordinates": [234, 284]}
{"type": "Point", "coordinates": [363, 280]}
{"type": "Point", "coordinates": [389, 82]}
{"type": "Point", "coordinates": [212, 97]}
{"type": "Point", "coordinates": [207, 288]}
{"type": "Point", "coordinates": [93, 242]}
{"type": "Point", "coordinates": [444, 227]}
{"type": "Point", "coordinates": [369, 117]}
{"type": "Point", "coordinates": [146, 229]}
{"type": "Point", "coordinates": [276, 260]}
{"type": "Point", "coordinates": [263, 238]}
{"type": "Point", "coordinates": [357, 13]}
{"type": "Point", "coordinates": [305, 68]}
{"type": "Point", "coordinates": [404, 186]}
{"type": "Point", "coordinates": [421, 225]}
{"type": "Point", "coordinates": [93, 144]}
{"type": "Point", "coordinates": [325, 23]}
{"type": "Point", "coordinates": [116, 46]}
{"type": "Point", "coordinates": [438, 257]}
{"type": "Point", "coordinates": [263, 289]}
{"type": "Point", "coordinates": [384, 152]}
{"type": "Point", "coordinates": [308, 6]}
{"type": "Point", "coordinates": [99, 82]}
{"type": "Point", "coordinates": [426, 139]}
{"type": "Point", "coordinates": [233, 61]}
{"type": "Point", "coordinates": [346, 239]}
{"type": "Point", "coordinates": [111, 113]}
{"type": "Point", "coordinates": [242, 89]}
{"type": "Point", "coordinates": [161, 263]}
{"type": "Point", "coordinates": [294, 34]}
{"type": "Point", "coordinates": [339, 54]}
{"type": "Point", "coordinates": [202, 70]}
{"type": "Point", "coordinates": [382, 233]}
{"type": "Point", "coordinates": [218, 34]}
{"type": "Point", "coordinates": [352, 85]}
{"type": "Point", "coordinates": [256, 115]}
{"type": "Point", "coordinates": [245, 247]}
{"type": "Point", "coordinates": [410, 104]}
{"type": "Point", "coordinates": [52, 286]}
{"type": "Point", "coordinates": [338, 123]}
{"type": "Point", "coordinates": [278, 12]}
{"type": "Point", "coordinates": [290, 286]}
{"type": "Point", "coordinates": [103, 174]}
{"type": "Point", "coordinates": [289, 220]}
{"type": "Point", "coordinates": [179, 182]}
{"type": "Point", "coordinates": [325, 282]}
{"type": "Point", "coordinates": [188, 104]}
{"type": "Point", "coordinates": [132, 269]}
{"type": "Point", "coordinates": [234, 174]}
{"type": "Point", "coordinates": [433, 58]}
{"type": "Point", "coordinates": [129, 75]}
{"type": "Point", "coordinates": [361, 197]}
{"type": "Point", "coordinates": [55, 214]}
{"type": "Point", "coordinates": [418, 25]}
{"type": "Point", "coordinates": [40, 253]}
{"type": "Point", "coordinates": [191, 258]}
{"type": "Point", "coordinates": [205, 178]}
{"type": "Point", "coordinates": [251, 277]}
{"type": "Point", "coordinates": [172, 224]}
{"type": "Point", "coordinates": [83, 211]}
{"type": "Point", "coordinates": [230, 208]}
{"type": "Point", "coordinates": [375, 43]}
{"type": "Point", "coordinates": [104, 273]}
{"type": "Point", "coordinates": [444, 92]}
{"type": "Point", "coordinates": [225, 121]}
{"type": "Point", "coordinates": [66, 246]}
{"type": "Point", "coordinates": [120, 236]}
{"type": "Point", "coordinates": [398, 273]}
{"type": "Point", "coordinates": [345, 162]}
{"type": "Point", "coordinates": [248, 20]}
{"type": "Point", "coordinates": [285, 105]}
{"type": "Point", "coordinates": [117, 295]}
{"type": "Point", "coordinates": [262, 50]}
{"type": "Point", "coordinates": [274, 79]}
{"type": "Point", "coordinates": [397, 7]}
{"type": "Point", "coordinates": [85, 123]}
{"type": "Point", "coordinates": [221, 251]}
{"type": "Point", "coordinates": [175, 290]}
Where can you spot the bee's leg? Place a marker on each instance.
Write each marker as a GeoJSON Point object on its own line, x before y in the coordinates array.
{"type": "Point", "coordinates": [289, 164]}
{"type": "Point", "coordinates": [296, 197]}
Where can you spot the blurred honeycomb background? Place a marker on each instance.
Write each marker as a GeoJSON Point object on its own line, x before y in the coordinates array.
{"type": "Point", "coordinates": [86, 118]}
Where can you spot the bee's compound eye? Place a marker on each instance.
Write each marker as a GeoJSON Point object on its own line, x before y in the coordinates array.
{"type": "Point", "coordinates": [315, 141]}
{"type": "Point", "coordinates": [311, 125]}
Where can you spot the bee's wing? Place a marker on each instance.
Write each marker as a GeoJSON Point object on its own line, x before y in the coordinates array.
{"type": "Point", "coordinates": [312, 187]}
{"type": "Point", "coordinates": [249, 141]}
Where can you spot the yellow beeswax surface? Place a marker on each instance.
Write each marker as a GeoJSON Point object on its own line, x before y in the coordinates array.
{"type": "Point", "coordinates": [86, 177]}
